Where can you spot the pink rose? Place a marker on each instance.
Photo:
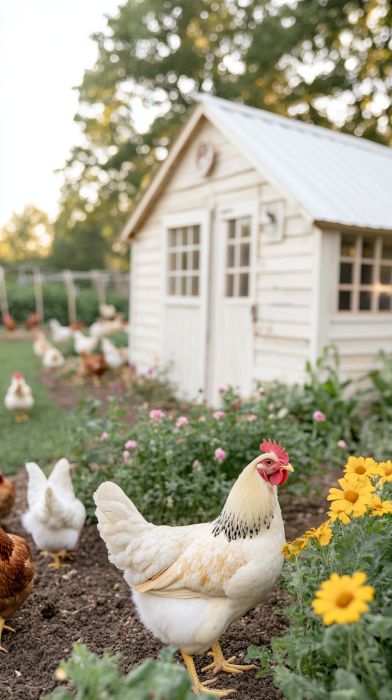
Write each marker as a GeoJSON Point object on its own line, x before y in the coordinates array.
{"type": "Point", "coordinates": [218, 415]}
{"type": "Point", "coordinates": [196, 464]}
{"type": "Point", "coordinates": [220, 454]}
{"type": "Point", "coordinates": [222, 389]}
{"type": "Point", "coordinates": [156, 415]}
{"type": "Point", "coordinates": [104, 436]}
{"type": "Point", "coordinates": [131, 445]}
{"type": "Point", "coordinates": [271, 406]}
{"type": "Point", "coordinates": [126, 456]}
{"type": "Point", "coordinates": [342, 444]}
{"type": "Point", "coordinates": [319, 417]}
{"type": "Point", "coordinates": [181, 422]}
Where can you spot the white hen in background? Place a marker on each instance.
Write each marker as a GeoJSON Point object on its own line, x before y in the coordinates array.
{"type": "Point", "coordinates": [107, 311]}
{"type": "Point", "coordinates": [83, 343]}
{"type": "Point", "coordinates": [55, 516]}
{"type": "Point", "coordinates": [19, 397]}
{"type": "Point", "coordinates": [60, 334]}
{"type": "Point", "coordinates": [111, 354]}
{"type": "Point", "coordinates": [52, 358]}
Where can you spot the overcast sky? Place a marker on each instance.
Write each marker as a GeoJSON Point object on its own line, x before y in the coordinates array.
{"type": "Point", "coordinates": [44, 50]}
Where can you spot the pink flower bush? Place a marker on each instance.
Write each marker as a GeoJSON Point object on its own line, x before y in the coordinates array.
{"type": "Point", "coordinates": [181, 422]}
{"type": "Point", "coordinates": [131, 445]}
{"type": "Point", "coordinates": [104, 436]}
{"type": "Point", "coordinates": [157, 415]}
{"type": "Point", "coordinates": [126, 456]}
{"type": "Point", "coordinates": [222, 389]}
{"type": "Point", "coordinates": [218, 415]}
{"type": "Point", "coordinates": [319, 417]}
{"type": "Point", "coordinates": [220, 454]}
{"type": "Point", "coordinates": [342, 444]}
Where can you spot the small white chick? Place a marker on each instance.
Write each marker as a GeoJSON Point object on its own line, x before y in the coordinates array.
{"type": "Point", "coordinates": [111, 354]}
{"type": "Point", "coordinates": [55, 517]}
{"type": "Point", "coordinates": [19, 398]}
{"type": "Point", "coordinates": [83, 344]}
{"type": "Point", "coordinates": [60, 334]}
{"type": "Point", "coordinates": [53, 358]}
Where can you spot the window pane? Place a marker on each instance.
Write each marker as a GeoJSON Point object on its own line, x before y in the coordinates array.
{"type": "Point", "coordinates": [230, 255]}
{"type": "Point", "coordinates": [244, 284]}
{"type": "Point", "coordinates": [346, 273]}
{"type": "Point", "coordinates": [386, 250]}
{"type": "Point", "coordinates": [172, 285]}
{"type": "Point", "coordinates": [229, 285]}
{"type": "Point", "coordinates": [183, 286]}
{"type": "Point", "coordinates": [366, 274]}
{"type": "Point", "coordinates": [244, 228]}
{"type": "Point", "coordinates": [181, 240]}
{"type": "Point", "coordinates": [184, 265]}
{"type": "Point", "coordinates": [384, 302]}
{"type": "Point", "coordinates": [365, 301]}
{"type": "Point", "coordinates": [172, 261]}
{"type": "Point", "coordinates": [348, 246]}
{"type": "Point", "coordinates": [244, 254]}
{"type": "Point", "coordinates": [172, 237]}
{"type": "Point", "coordinates": [386, 275]}
{"type": "Point", "coordinates": [195, 286]}
{"type": "Point", "coordinates": [196, 260]}
{"type": "Point", "coordinates": [178, 286]}
{"type": "Point", "coordinates": [231, 228]}
{"type": "Point", "coordinates": [196, 235]}
{"type": "Point", "coordinates": [344, 301]}
{"type": "Point", "coordinates": [368, 248]}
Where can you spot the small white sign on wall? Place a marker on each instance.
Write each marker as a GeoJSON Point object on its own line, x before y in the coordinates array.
{"type": "Point", "coordinates": [272, 222]}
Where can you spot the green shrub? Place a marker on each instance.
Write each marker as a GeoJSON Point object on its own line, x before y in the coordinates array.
{"type": "Point", "coordinates": [91, 677]}
{"type": "Point", "coordinates": [21, 303]}
{"type": "Point", "coordinates": [341, 661]}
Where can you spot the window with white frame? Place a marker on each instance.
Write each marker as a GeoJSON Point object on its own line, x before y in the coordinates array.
{"type": "Point", "coordinates": [183, 266]}
{"type": "Point", "coordinates": [365, 280]}
{"type": "Point", "coordinates": [237, 273]}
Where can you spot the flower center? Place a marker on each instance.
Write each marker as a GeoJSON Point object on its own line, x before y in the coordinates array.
{"type": "Point", "coordinates": [388, 472]}
{"type": "Point", "coordinates": [351, 496]}
{"type": "Point", "coordinates": [344, 599]}
{"type": "Point", "coordinates": [360, 470]}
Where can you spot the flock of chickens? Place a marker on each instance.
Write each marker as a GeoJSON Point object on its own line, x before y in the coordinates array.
{"type": "Point", "coordinates": [189, 582]}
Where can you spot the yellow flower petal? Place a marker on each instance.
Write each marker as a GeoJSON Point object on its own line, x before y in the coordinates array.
{"type": "Point", "coordinates": [342, 599]}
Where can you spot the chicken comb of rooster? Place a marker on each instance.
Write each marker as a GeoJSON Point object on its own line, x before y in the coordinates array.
{"type": "Point", "coordinates": [272, 446]}
{"type": "Point", "coordinates": [17, 375]}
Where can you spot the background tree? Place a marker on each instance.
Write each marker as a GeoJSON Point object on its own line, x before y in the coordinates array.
{"type": "Point", "coordinates": [324, 61]}
{"type": "Point", "coordinates": [26, 236]}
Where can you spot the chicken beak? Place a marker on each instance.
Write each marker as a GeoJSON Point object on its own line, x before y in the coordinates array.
{"type": "Point", "coordinates": [288, 467]}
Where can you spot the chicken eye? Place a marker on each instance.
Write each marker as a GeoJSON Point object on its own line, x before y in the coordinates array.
{"type": "Point", "coordinates": [268, 461]}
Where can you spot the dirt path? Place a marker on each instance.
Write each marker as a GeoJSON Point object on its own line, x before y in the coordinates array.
{"type": "Point", "coordinates": [89, 602]}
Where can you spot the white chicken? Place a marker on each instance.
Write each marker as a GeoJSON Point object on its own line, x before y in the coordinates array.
{"type": "Point", "coordinates": [53, 358]}
{"type": "Point", "coordinates": [60, 334]}
{"type": "Point", "coordinates": [40, 344]}
{"type": "Point", "coordinates": [112, 355]}
{"type": "Point", "coordinates": [101, 327]}
{"type": "Point", "coordinates": [107, 311]}
{"type": "Point", "coordinates": [55, 517]}
{"type": "Point", "coordinates": [82, 343]}
{"type": "Point", "coordinates": [19, 398]}
{"type": "Point", "coordinates": [189, 583]}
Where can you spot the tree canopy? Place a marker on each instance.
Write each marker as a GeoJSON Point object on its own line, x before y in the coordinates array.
{"type": "Point", "coordinates": [26, 236]}
{"type": "Point", "coordinates": [323, 61]}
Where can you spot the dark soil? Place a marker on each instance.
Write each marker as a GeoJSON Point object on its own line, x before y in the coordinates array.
{"type": "Point", "coordinates": [89, 602]}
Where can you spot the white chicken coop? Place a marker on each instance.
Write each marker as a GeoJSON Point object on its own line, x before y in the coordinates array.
{"type": "Point", "coordinates": [260, 240]}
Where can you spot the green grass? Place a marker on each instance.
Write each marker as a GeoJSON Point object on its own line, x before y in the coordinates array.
{"type": "Point", "coordinates": [44, 436]}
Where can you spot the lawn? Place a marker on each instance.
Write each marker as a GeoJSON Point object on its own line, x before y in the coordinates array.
{"type": "Point", "coordinates": [44, 436]}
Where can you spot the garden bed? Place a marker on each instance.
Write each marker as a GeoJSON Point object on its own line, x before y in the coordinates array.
{"type": "Point", "coordinates": [89, 602]}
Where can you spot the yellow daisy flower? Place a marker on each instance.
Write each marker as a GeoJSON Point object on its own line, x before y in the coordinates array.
{"type": "Point", "coordinates": [379, 507]}
{"type": "Point", "coordinates": [343, 599]}
{"type": "Point", "coordinates": [352, 499]}
{"type": "Point", "coordinates": [291, 549]}
{"type": "Point", "coordinates": [324, 533]}
{"type": "Point", "coordinates": [385, 472]}
{"type": "Point", "coordinates": [361, 466]}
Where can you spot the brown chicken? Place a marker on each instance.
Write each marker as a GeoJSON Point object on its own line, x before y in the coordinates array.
{"type": "Point", "coordinates": [7, 495]}
{"type": "Point", "coordinates": [93, 366]}
{"type": "Point", "coordinates": [9, 322]}
{"type": "Point", "coordinates": [16, 576]}
{"type": "Point", "coordinates": [32, 321]}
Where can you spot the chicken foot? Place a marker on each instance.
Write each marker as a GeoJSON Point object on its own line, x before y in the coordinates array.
{"type": "Point", "coordinates": [21, 417]}
{"type": "Point", "coordinates": [221, 664]}
{"type": "Point", "coordinates": [3, 626]}
{"type": "Point", "coordinates": [57, 557]}
{"type": "Point", "coordinates": [203, 687]}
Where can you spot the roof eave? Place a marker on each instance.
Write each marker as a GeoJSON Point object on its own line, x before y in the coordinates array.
{"type": "Point", "coordinates": [350, 228]}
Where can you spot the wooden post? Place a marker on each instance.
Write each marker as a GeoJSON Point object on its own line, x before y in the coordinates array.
{"type": "Point", "coordinates": [71, 294]}
{"type": "Point", "coordinates": [3, 293]}
{"type": "Point", "coordinates": [100, 285]}
{"type": "Point", "coordinates": [39, 298]}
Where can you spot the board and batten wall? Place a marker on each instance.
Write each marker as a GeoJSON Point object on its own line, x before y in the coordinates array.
{"type": "Point", "coordinates": [358, 336]}
{"type": "Point", "coordinates": [285, 271]}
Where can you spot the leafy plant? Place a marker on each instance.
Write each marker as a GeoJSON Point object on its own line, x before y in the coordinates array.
{"type": "Point", "coordinates": [90, 677]}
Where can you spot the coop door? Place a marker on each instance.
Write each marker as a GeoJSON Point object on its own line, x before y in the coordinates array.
{"type": "Point", "coordinates": [234, 298]}
{"type": "Point", "coordinates": [186, 250]}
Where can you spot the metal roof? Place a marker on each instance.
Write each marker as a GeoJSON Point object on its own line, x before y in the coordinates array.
{"type": "Point", "coordinates": [336, 177]}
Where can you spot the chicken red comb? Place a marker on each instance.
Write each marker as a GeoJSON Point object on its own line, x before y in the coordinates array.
{"type": "Point", "coordinates": [17, 375]}
{"type": "Point", "coordinates": [272, 446]}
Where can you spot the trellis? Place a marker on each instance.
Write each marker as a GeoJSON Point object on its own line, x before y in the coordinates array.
{"type": "Point", "coordinates": [100, 280]}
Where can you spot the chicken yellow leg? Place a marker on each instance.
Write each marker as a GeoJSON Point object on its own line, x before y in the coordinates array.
{"type": "Point", "coordinates": [57, 558]}
{"type": "Point", "coordinates": [199, 687]}
{"type": "Point", "coordinates": [3, 626]}
{"type": "Point", "coordinates": [221, 664]}
{"type": "Point", "coordinates": [21, 417]}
